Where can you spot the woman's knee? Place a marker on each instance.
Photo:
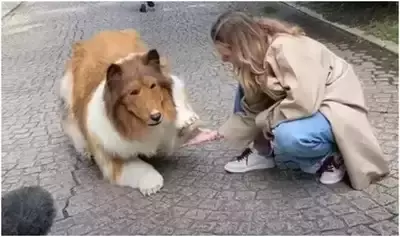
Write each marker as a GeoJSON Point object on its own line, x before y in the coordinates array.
{"type": "Point", "coordinates": [285, 140]}
{"type": "Point", "coordinates": [295, 140]}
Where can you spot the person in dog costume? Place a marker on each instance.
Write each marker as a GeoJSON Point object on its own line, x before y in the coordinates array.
{"type": "Point", "coordinates": [297, 103]}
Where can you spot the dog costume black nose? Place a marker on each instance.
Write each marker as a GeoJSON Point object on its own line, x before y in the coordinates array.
{"type": "Point", "coordinates": [155, 117]}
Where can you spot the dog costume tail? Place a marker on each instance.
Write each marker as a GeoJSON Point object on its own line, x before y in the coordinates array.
{"type": "Point", "coordinates": [27, 211]}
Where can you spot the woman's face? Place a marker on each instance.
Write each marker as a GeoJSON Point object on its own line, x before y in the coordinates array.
{"type": "Point", "coordinates": [225, 52]}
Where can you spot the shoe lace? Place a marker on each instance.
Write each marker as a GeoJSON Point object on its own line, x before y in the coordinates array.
{"type": "Point", "coordinates": [245, 155]}
{"type": "Point", "coordinates": [330, 168]}
{"type": "Point", "coordinates": [327, 165]}
{"type": "Point", "coordinates": [330, 164]}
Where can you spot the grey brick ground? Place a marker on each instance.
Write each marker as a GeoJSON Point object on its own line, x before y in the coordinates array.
{"type": "Point", "coordinates": [8, 7]}
{"type": "Point", "coordinates": [198, 197]}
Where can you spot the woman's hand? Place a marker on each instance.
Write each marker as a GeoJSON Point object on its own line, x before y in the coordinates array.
{"type": "Point", "coordinates": [204, 135]}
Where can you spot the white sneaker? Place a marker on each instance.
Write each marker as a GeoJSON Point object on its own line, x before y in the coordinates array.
{"type": "Point", "coordinates": [249, 161]}
{"type": "Point", "coordinates": [334, 171]}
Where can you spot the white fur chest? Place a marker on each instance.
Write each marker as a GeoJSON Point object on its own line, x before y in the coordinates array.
{"type": "Point", "coordinates": [100, 126]}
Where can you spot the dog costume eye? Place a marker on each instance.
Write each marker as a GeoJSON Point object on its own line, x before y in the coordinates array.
{"type": "Point", "coordinates": [152, 86]}
{"type": "Point", "coordinates": [134, 92]}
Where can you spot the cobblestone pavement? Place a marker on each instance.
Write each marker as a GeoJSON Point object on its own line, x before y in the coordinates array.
{"type": "Point", "coordinates": [198, 197]}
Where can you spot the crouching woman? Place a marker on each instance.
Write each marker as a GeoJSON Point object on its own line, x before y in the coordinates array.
{"type": "Point", "coordinates": [297, 102]}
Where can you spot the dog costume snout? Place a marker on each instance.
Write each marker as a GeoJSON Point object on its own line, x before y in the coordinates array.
{"type": "Point", "coordinates": [156, 117]}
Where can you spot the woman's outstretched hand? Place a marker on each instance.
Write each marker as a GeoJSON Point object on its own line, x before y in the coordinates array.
{"type": "Point", "coordinates": [204, 135]}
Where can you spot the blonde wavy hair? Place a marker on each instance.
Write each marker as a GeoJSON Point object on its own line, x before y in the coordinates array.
{"type": "Point", "coordinates": [248, 39]}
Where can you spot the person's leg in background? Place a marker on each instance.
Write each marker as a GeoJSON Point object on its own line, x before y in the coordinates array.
{"type": "Point", "coordinates": [251, 158]}
{"type": "Point", "coordinates": [310, 144]}
{"type": "Point", "coordinates": [143, 7]}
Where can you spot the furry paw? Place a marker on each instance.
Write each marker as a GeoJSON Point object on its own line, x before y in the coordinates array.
{"type": "Point", "coordinates": [189, 125]}
{"type": "Point", "coordinates": [151, 183]}
{"type": "Point", "coordinates": [185, 119]}
{"type": "Point", "coordinates": [191, 120]}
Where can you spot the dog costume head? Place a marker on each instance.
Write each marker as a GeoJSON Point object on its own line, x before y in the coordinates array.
{"type": "Point", "coordinates": [138, 93]}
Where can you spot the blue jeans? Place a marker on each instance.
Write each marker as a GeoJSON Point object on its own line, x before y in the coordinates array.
{"type": "Point", "coordinates": [305, 142]}
{"type": "Point", "coordinates": [237, 107]}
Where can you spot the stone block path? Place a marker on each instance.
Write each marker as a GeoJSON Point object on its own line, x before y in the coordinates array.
{"type": "Point", "coordinates": [198, 197]}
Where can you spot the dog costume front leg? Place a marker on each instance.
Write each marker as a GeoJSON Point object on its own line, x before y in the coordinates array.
{"type": "Point", "coordinates": [138, 174]}
{"type": "Point", "coordinates": [71, 128]}
{"type": "Point", "coordinates": [187, 121]}
{"type": "Point", "coordinates": [134, 173]}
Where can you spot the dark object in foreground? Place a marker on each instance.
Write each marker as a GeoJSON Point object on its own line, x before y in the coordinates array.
{"type": "Point", "coordinates": [143, 7]}
{"type": "Point", "coordinates": [151, 4]}
{"type": "Point", "coordinates": [27, 211]}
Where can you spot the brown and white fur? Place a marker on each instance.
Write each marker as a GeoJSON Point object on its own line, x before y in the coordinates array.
{"type": "Point", "coordinates": [122, 103]}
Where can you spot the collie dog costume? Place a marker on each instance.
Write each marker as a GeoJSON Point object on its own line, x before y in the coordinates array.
{"type": "Point", "coordinates": [123, 103]}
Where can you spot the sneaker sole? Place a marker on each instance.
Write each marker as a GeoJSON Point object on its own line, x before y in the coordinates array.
{"type": "Point", "coordinates": [333, 181]}
{"type": "Point", "coordinates": [257, 167]}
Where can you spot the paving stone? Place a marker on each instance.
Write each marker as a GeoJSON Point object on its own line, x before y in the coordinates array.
{"type": "Point", "coordinates": [163, 230]}
{"type": "Point", "coordinates": [245, 195]}
{"type": "Point", "coordinates": [185, 232]}
{"type": "Point", "coordinates": [204, 226]}
{"type": "Point", "coordinates": [80, 229]}
{"type": "Point", "coordinates": [236, 216]}
{"type": "Point", "coordinates": [383, 198]}
{"type": "Point", "coordinates": [267, 194]}
{"type": "Point", "coordinates": [63, 225]}
{"type": "Point", "coordinates": [393, 208]}
{"type": "Point", "coordinates": [379, 214]}
{"type": "Point", "coordinates": [261, 216]}
{"type": "Point", "coordinates": [396, 219]}
{"type": "Point", "coordinates": [225, 195]}
{"type": "Point", "coordinates": [334, 233]}
{"type": "Point", "coordinates": [361, 230]}
{"type": "Point", "coordinates": [289, 215]}
{"type": "Point", "coordinates": [252, 228]}
{"type": "Point", "coordinates": [356, 219]}
{"type": "Point", "coordinates": [282, 203]}
{"type": "Point", "coordinates": [296, 194]}
{"type": "Point", "coordinates": [394, 192]}
{"type": "Point", "coordinates": [364, 203]}
{"type": "Point", "coordinates": [386, 228]}
{"type": "Point", "coordinates": [135, 229]}
{"type": "Point", "coordinates": [199, 197]}
{"type": "Point", "coordinates": [284, 228]}
{"type": "Point", "coordinates": [211, 204]}
{"type": "Point", "coordinates": [197, 214]}
{"type": "Point", "coordinates": [315, 213]}
{"type": "Point", "coordinates": [330, 223]}
{"type": "Point", "coordinates": [390, 182]}
{"type": "Point", "coordinates": [340, 209]}
{"type": "Point", "coordinates": [226, 228]}
{"type": "Point", "coordinates": [351, 195]}
{"type": "Point", "coordinates": [329, 199]}
{"type": "Point", "coordinates": [303, 203]}
{"type": "Point", "coordinates": [189, 201]}
{"type": "Point", "coordinates": [181, 223]}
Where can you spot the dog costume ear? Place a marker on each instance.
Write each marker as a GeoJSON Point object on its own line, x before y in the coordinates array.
{"type": "Point", "coordinates": [152, 58]}
{"type": "Point", "coordinates": [114, 76]}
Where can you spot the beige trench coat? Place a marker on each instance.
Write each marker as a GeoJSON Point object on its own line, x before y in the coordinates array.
{"type": "Point", "coordinates": [309, 77]}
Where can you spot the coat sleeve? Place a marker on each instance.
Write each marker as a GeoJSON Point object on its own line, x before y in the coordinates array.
{"type": "Point", "coordinates": [240, 129]}
{"type": "Point", "coordinates": [302, 76]}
